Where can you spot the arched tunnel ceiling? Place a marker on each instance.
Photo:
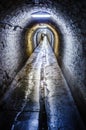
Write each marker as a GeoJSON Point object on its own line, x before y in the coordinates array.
{"type": "Point", "coordinates": [15, 20]}
{"type": "Point", "coordinates": [68, 17]}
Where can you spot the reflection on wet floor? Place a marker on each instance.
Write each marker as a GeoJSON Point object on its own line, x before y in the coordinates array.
{"type": "Point", "coordinates": [39, 88]}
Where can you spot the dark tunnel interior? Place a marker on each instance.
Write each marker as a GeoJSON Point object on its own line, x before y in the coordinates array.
{"type": "Point", "coordinates": [28, 31]}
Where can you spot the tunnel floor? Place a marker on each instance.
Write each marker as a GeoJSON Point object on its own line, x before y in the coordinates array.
{"type": "Point", "coordinates": [39, 97]}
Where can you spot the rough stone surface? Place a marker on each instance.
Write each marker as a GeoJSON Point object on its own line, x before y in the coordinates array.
{"type": "Point", "coordinates": [69, 16]}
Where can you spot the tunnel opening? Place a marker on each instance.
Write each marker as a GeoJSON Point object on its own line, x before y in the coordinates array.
{"type": "Point", "coordinates": [37, 29]}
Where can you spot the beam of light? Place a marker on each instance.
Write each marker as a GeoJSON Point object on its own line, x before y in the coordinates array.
{"type": "Point", "coordinates": [41, 15]}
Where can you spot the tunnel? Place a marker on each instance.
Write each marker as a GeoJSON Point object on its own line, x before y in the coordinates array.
{"type": "Point", "coordinates": [42, 65]}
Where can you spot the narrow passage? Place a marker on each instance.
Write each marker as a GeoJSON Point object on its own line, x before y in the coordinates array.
{"type": "Point", "coordinates": [39, 97]}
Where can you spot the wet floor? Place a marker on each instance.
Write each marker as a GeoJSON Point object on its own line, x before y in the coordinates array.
{"type": "Point", "coordinates": [39, 97]}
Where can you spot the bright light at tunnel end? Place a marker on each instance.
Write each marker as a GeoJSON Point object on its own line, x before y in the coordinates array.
{"type": "Point", "coordinates": [41, 15]}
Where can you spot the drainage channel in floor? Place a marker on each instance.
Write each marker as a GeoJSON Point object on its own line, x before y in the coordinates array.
{"type": "Point", "coordinates": [42, 117]}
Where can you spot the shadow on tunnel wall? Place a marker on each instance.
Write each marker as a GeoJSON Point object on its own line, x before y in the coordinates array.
{"type": "Point", "coordinates": [72, 61]}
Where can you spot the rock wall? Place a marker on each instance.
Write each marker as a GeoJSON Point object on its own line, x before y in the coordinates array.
{"type": "Point", "coordinates": [69, 17]}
